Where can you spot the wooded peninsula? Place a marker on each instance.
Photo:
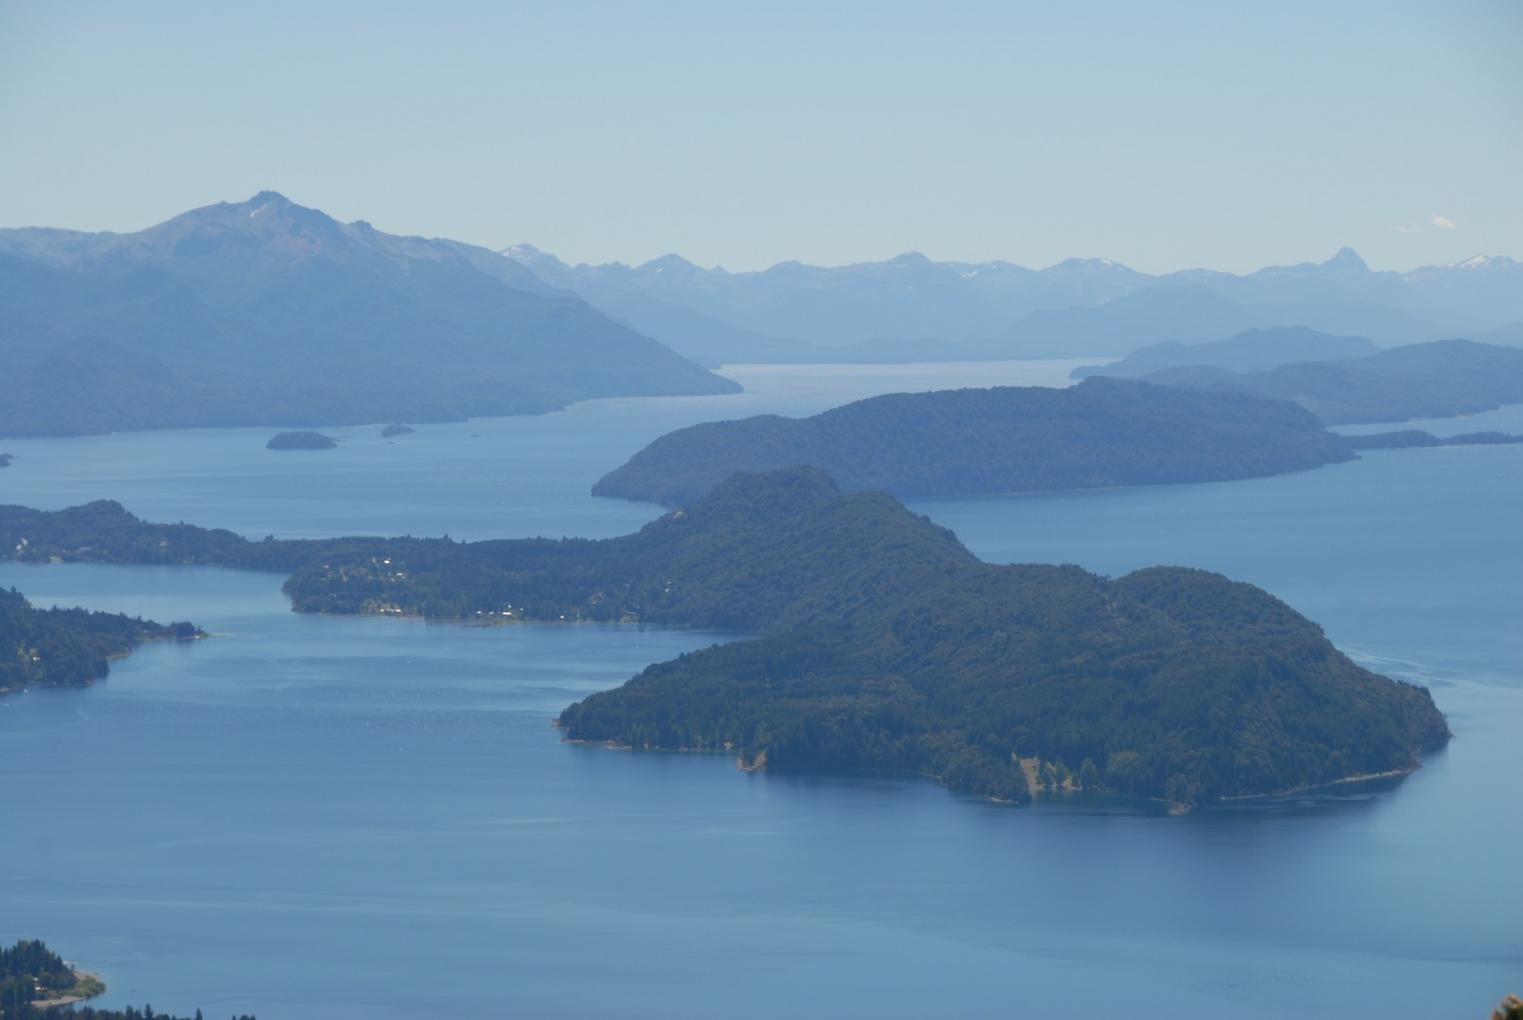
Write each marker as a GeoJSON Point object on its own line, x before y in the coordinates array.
{"type": "Point", "coordinates": [68, 647]}
{"type": "Point", "coordinates": [880, 643]}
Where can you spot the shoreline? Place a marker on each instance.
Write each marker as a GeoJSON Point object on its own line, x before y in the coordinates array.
{"type": "Point", "coordinates": [200, 635]}
{"type": "Point", "coordinates": [88, 985]}
{"type": "Point", "coordinates": [1173, 809]}
{"type": "Point", "coordinates": [1358, 777]}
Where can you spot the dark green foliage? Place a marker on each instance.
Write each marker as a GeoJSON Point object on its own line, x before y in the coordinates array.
{"type": "Point", "coordinates": [27, 1012]}
{"type": "Point", "coordinates": [397, 429]}
{"type": "Point", "coordinates": [1100, 433]}
{"type": "Point", "coordinates": [31, 971]}
{"type": "Point", "coordinates": [882, 644]}
{"type": "Point", "coordinates": [67, 647]}
{"type": "Point", "coordinates": [1089, 776]}
{"type": "Point", "coordinates": [104, 532]}
{"type": "Point", "coordinates": [1188, 686]}
{"type": "Point", "coordinates": [1434, 380]}
{"type": "Point", "coordinates": [767, 550]}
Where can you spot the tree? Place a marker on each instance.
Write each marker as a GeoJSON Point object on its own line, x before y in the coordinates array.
{"type": "Point", "coordinates": [1089, 775]}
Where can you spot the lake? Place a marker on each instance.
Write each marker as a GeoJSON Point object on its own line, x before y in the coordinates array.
{"type": "Point", "coordinates": [351, 817]}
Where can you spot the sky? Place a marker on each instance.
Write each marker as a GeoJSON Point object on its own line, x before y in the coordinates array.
{"type": "Point", "coordinates": [1164, 135]}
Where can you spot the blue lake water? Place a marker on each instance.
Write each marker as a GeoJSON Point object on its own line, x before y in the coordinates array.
{"type": "Point", "coordinates": [489, 478]}
{"type": "Point", "coordinates": [349, 817]}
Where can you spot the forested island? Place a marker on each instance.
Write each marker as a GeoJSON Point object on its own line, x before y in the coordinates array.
{"type": "Point", "coordinates": [1101, 433]}
{"type": "Point", "coordinates": [301, 440]}
{"type": "Point", "coordinates": [36, 984]}
{"type": "Point", "coordinates": [880, 643]}
{"type": "Point", "coordinates": [1433, 380]}
{"type": "Point", "coordinates": [396, 429]}
{"type": "Point", "coordinates": [68, 647]}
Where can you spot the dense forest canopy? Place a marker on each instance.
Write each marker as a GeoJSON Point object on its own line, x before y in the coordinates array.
{"type": "Point", "coordinates": [67, 647]}
{"type": "Point", "coordinates": [881, 643]}
{"type": "Point", "coordinates": [1097, 434]}
{"type": "Point", "coordinates": [31, 972]}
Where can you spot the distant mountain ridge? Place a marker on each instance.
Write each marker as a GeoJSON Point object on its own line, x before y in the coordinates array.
{"type": "Point", "coordinates": [266, 312]}
{"type": "Point", "coordinates": [976, 311]}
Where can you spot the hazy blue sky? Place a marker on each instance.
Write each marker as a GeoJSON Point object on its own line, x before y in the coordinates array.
{"type": "Point", "coordinates": [1165, 135]}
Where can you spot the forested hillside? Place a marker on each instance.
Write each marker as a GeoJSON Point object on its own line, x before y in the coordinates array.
{"type": "Point", "coordinates": [31, 972]}
{"type": "Point", "coordinates": [67, 647]}
{"type": "Point", "coordinates": [882, 643]}
{"type": "Point", "coordinates": [1100, 433]}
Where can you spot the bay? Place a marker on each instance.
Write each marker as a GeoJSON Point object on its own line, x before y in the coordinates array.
{"type": "Point", "coordinates": [351, 817]}
{"type": "Point", "coordinates": [486, 478]}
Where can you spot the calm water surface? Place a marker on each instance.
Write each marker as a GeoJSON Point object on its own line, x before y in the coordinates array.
{"type": "Point", "coordinates": [331, 817]}
{"type": "Point", "coordinates": [488, 478]}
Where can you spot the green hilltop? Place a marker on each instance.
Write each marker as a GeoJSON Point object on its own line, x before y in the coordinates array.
{"type": "Point", "coordinates": [877, 642]}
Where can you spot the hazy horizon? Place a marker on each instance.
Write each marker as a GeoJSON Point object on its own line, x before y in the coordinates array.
{"type": "Point", "coordinates": [887, 257]}
{"type": "Point", "coordinates": [1192, 136]}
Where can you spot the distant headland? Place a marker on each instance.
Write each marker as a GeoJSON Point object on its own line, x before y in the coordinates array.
{"type": "Point", "coordinates": [1099, 434]}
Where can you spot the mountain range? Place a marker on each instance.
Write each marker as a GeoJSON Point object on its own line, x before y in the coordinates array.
{"type": "Point", "coordinates": [911, 308]}
{"type": "Point", "coordinates": [265, 312]}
